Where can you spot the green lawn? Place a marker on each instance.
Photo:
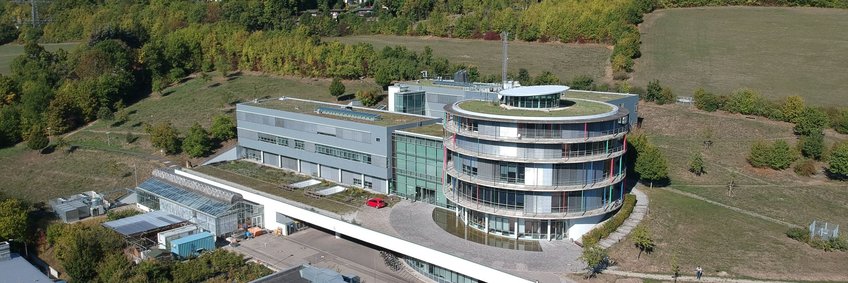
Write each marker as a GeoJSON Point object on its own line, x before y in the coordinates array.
{"type": "Point", "coordinates": [9, 52]}
{"type": "Point", "coordinates": [776, 51]}
{"type": "Point", "coordinates": [563, 60]}
{"type": "Point", "coordinates": [719, 239]}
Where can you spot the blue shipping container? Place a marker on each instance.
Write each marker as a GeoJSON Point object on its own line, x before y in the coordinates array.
{"type": "Point", "coordinates": [192, 245]}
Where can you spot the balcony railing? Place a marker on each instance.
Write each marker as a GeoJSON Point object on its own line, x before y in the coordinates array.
{"type": "Point", "coordinates": [541, 136]}
{"type": "Point", "coordinates": [560, 187]}
{"type": "Point", "coordinates": [573, 156]}
{"type": "Point", "coordinates": [556, 213]}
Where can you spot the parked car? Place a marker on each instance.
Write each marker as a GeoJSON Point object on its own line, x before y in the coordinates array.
{"type": "Point", "coordinates": [376, 202]}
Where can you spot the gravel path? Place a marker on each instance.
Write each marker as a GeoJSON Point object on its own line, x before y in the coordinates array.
{"type": "Point", "coordinates": [630, 223]}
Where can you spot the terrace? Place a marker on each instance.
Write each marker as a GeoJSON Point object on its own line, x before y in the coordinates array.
{"type": "Point", "coordinates": [278, 182]}
{"type": "Point", "coordinates": [357, 114]}
{"type": "Point", "coordinates": [435, 130]}
{"type": "Point", "coordinates": [570, 108]}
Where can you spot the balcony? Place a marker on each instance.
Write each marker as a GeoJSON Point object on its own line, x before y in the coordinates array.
{"type": "Point", "coordinates": [576, 186]}
{"type": "Point", "coordinates": [574, 156]}
{"type": "Point", "coordinates": [520, 213]}
{"type": "Point", "coordinates": [540, 136]}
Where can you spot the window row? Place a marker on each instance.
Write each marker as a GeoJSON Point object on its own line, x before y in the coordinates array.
{"type": "Point", "coordinates": [535, 202]}
{"type": "Point", "coordinates": [342, 133]}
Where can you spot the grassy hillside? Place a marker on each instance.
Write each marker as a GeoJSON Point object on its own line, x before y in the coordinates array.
{"type": "Point", "coordinates": [777, 51]}
{"type": "Point", "coordinates": [564, 60]}
{"type": "Point", "coordinates": [8, 53]}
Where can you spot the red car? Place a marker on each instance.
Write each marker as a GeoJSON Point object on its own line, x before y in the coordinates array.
{"type": "Point", "coordinates": [375, 202]}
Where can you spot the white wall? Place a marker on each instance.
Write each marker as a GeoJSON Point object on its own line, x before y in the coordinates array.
{"type": "Point", "coordinates": [581, 226]}
{"type": "Point", "coordinates": [271, 207]}
{"type": "Point", "coordinates": [393, 90]}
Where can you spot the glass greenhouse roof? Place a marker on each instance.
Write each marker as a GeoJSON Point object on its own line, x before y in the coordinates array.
{"type": "Point", "coordinates": [185, 197]}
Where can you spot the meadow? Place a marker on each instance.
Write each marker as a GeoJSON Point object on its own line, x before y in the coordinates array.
{"type": "Point", "coordinates": [776, 51]}
{"type": "Point", "coordinates": [564, 60]}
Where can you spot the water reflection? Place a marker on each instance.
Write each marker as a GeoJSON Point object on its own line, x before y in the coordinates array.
{"type": "Point", "coordinates": [449, 222]}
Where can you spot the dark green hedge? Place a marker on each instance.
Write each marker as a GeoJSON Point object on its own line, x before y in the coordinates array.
{"type": "Point", "coordinates": [609, 227]}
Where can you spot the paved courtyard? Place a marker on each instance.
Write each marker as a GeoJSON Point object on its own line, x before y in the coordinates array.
{"type": "Point", "coordinates": [322, 249]}
{"type": "Point", "coordinates": [412, 221]}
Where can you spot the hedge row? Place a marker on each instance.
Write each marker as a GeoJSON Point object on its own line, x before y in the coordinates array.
{"type": "Point", "coordinates": [609, 227]}
{"type": "Point", "coordinates": [803, 235]}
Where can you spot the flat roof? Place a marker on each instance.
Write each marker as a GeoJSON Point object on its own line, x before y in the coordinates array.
{"type": "Point", "coordinates": [579, 108]}
{"type": "Point", "coordinates": [310, 107]}
{"type": "Point", "coordinates": [535, 90]}
{"type": "Point", "coordinates": [435, 130]}
{"type": "Point", "coordinates": [18, 269]}
{"type": "Point", "coordinates": [143, 222]}
{"type": "Point", "coordinates": [190, 238]}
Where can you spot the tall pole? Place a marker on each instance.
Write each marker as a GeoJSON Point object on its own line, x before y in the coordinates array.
{"type": "Point", "coordinates": [504, 40]}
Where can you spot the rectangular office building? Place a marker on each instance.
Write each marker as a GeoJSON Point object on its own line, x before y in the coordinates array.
{"type": "Point", "coordinates": [344, 144]}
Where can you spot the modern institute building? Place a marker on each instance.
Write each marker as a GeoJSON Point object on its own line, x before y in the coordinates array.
{"type": "Point", "coordinates": [541, 162]}
{"type": "Point", "coordinates": [536, 163]}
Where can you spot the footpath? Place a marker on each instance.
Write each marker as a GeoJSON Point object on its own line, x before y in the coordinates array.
{"type": "Point", "coordinates": [630, 223]}
{"type": "Point", "coordinates": [667, 277]}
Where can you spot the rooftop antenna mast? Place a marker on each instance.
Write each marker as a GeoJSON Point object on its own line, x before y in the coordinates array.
{"type": "Point", "coordinates": [505, 41]}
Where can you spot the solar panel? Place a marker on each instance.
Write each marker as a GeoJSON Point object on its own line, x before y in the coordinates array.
{"type": "Point", "coordinates": [348, 113]}
{"type": "Point", "coordinates": [143, 222]}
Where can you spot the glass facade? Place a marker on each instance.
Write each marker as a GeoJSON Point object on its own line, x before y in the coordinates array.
{"type": "Point", "coordinates": [438, 273]}
{"type": "Point", "coordinates": [417, 168]}
{"type": "Point", "coordinates": [535, 101]}
{"type": "Point", "coordinates": [410, 102]}
{"type": "Point", "coordinates": [506, 226]}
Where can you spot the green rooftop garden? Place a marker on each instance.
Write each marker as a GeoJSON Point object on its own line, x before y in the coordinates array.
{"type": "Point", "coordinates": [430, 130]}
{"type": "Point", "coordinates": [572, 108]}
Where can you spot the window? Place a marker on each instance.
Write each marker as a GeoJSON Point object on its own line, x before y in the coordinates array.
{"type": "Point", "coordinates": [273, 139]}
{"type": "Point", "coordinates": [368, 185]}
{"type": "Point", "coordinates": [469, 166]}
{"type": "Point", "coordinates": [512, 172]}
{"type": "Point", "coordinates": [357, 182]}
{"type": "Point", "coordinates": [298, 144]}
{"type": "Point", "coordinates": [252, 154]}
{"type": "Point", "coordinates": [343, 153]}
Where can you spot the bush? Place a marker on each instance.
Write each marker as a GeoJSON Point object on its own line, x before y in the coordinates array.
{"type": "Point", "coordinates": [838, 162]}
{"type": "Point", "coordinates": [115, 215]}
{"type": "Point", "coordinates": [337, 88]}
{"type": "Point", "coordinates": [840, 123]}
{"type": "Point", "coordinates": [37, 138]}
{"type": "Point", "coordinates": [759, 155]}
{"type": "Point", "coordinates": [593, 237]}
{"type": "Point", "coordinates": [747, 102]}
{"type": "Point", "coordinates": [781, 156]}
{"type": "Point", "coordinates": [805, 168]}
{"type": "Point", "coordinates": [581, 82]}
{"type": "Point", "coordinates": [164, 137]}
{"type": "Point", "coordinates": [369, 97]}
{"type": "Point", "coordinates": [197, 142]}
{"type": "Point", "coordinates": [223, 128]}
{"type": "Point", "coordinates": [799, 234]}
{"type": "Point", "coordinates": [791, 107]}
{"type": "Point", "coordinates": [707, 101]}
{"type": "Point", "coordinates": [666, 96]}
{"type": "Point", "coordinates": [812, 146]}
{"type": "Point", "coordinates": [810, 121]}
{"type": "Point", "coordinates": [696, 164]}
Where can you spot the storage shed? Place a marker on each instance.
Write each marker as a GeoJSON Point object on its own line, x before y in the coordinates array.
{"type": "Point", "coordinates": [193, 245]}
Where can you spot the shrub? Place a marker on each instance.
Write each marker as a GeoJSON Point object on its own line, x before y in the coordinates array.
{"type": "Point", "coordinates": [781, 156]}
{"type": "Point", "coordinates": [805, 168]}
{"type": "Point", "coordinates": [707, 101]}
{"type": "Point", "coordinates": [369, 97]}
{"type": "Point", "coordinates": [223, 128]}
{"type": "Point", "coordinates": [799, 234]}
{"type": "Point", "coordinates": [581, 82]}
{"type": "Point", "coordinates": [599, 232]}
{"type": "Point", "coordinates": [37, 138]}
{"type": "Point", "coordinates": [838, 162]}
{"type": "Point", "coordinates": [812, 146]}
{"type": "Point", "coordinates": [759, 155]}
{"type": "Point", "coordinates": [696, 164]}
{"type": "Point", "coordinates": [164, 137]}
{"type": "Point", "coordinates": [115, 215]}
{"type": "Point", "coordinates": [197, 142]}
{"type": "Point", "coordinates": [810, 121]}
{"type": "Point", "coordinates": [653, 91]}
{"type": "Point", "coordinates": [337, 88]}
{"type": "Point", "coordinates": [745, 101]}
{"type": "Point", "coordinates": [791, 107]}
{"type": "Point", "coordinates": [840, 123]}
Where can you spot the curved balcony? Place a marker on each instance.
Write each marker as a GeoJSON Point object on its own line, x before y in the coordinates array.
{"type": "Point", "coordinates": [575, 156]}
{"type": "Point", "coordinates": [576, 186]}
{"type": "Point", "coordinates": [520, 213]}
{"type": "Point", "coordinates": [548, 137]}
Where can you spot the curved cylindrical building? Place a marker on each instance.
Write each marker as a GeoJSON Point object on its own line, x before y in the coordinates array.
{"type": "Point", "coordinates": [535, 164]}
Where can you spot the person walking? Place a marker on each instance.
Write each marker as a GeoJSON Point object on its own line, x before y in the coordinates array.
{"type": "Point", "coordinates": [698, 272]}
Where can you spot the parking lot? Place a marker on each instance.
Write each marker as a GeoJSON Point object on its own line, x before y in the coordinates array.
{"type": "Point", "coordinates": [322, 249]}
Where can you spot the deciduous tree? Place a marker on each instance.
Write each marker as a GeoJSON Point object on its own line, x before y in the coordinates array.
{"type": "Point", "coordinates": [337, 88]}
{"type": "Point", "coordinates": [223, 128]}
{"type": "Point", "coordinates": [810, 121]}
{"type": "Point", "coordinates": [838, 162]}
{"type": "Point", "coordinates": [651, 165]}
{"type": "Point", "coordinates": [696, 164]}
{"type": "Point", "coordinates": [641, 238]}
{"type": "Point", "coordinates": [13, 219]}
{"type": "Point", "coordinates": [197, 142]}
{"type": "Point", "coordinates": [164, 137]}
{"type": "Point", "coordinates": [37, 139]}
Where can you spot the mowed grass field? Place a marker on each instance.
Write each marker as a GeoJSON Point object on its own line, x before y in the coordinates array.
{"type": "Point", "coordinates": [776, 51]}
{"type": "Point", "coordinates": [9, 52]}
{"type": "Point", "coordinates": [720, 239]}
{"type": "Point", "coordinates": [564, 60]}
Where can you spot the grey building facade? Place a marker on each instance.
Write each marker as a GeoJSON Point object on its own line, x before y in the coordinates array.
{"type": "Point", "coordinates": [343, 144]}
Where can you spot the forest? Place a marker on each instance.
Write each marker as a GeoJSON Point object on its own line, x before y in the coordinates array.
{"type": "Point", "coordinates": [129, 49]}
